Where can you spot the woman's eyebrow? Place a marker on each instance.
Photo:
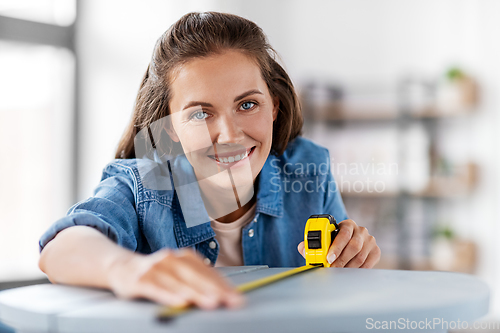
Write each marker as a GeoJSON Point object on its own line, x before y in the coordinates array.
{"type": "Point", "coordinates": [196, 103]}
{"type": "Point", "coordinates": [245, 94]}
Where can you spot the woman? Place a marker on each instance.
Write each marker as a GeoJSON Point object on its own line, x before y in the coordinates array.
{"type": "Point", "coordinates": [211, 170]}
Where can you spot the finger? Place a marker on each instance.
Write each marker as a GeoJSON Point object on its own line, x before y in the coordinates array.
{"type": "Point", "coordinates": [359, 259]}
{"type": "Point", "coordinates": [223, 288]}
{"type": "Point", "coordinates": [162, 275]}
{"type": "Point", "coordinates": [193, 291]}
{"type": "Point", "coordinates": [346, 229]}
{"type": "Point", "coordinates": [216, 286]}
{"type": "Point", "coordinates": [372, 259]}
{"type": "Point", "coordinates": [171, 283]}
{"type": "Point", "coordinates": [205, 280]}
{"type": "Point", "coordinates": [159, 295]}
{"type": "Point", "coordinates": [302, 249]}
{"type": "Point", "coordinates": [353, 247]}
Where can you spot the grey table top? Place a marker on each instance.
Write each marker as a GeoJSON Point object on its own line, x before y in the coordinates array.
{"type": "Point", "coordinates": [322, 300]}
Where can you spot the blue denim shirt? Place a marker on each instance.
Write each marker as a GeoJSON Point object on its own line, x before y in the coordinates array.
{"type": "Point", "coordinates": [291, 187]}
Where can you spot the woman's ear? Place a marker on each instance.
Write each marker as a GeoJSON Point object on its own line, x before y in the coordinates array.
{"type": "Point", "coordinates": [276, 105]}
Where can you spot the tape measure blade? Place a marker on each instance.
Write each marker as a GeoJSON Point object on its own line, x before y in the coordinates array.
{"type": "Point", "coordinates": [169, 313]}
{"type": "Point", "coordinates": [249, 286]}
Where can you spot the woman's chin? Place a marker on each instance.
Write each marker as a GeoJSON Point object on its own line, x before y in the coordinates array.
{"type": "Point", "coordinates": [223, 182]}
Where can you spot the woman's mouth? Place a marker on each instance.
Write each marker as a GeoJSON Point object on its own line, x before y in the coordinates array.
{"type": "Point", "coordinates": [231, 159]}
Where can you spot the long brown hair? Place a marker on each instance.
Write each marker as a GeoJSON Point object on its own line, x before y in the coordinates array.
{"type": "Point", "coordinates": [200, 35]}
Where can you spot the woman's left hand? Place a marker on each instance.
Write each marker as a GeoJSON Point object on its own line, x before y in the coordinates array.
{"type": "Point", "coordinates": [353, 247]}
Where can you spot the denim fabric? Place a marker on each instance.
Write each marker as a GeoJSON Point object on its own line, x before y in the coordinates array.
{"type": "Point", "coordinates": [291, 187]}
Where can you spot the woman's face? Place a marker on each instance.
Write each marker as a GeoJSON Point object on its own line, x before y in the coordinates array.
{"type": "Point", "coordinates": [223, 113]}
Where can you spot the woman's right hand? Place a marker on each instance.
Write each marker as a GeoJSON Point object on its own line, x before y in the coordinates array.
{"type": "Point", "coordinates": [172, 277]}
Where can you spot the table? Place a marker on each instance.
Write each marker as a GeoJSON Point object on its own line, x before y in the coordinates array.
{"type": "Point", "coordinates": [321, 300]}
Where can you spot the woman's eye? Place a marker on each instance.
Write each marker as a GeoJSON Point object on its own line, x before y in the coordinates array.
{"type": "Point", "coordinates": [200, 115]}
{"type": "Point", "coordinates": [247, 105]}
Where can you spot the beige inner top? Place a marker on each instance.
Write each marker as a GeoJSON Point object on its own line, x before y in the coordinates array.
{"type": "Point", "coordinates": [229, 237]}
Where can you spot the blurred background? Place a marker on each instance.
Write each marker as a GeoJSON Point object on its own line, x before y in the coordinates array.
{"type": "Point", "coordinates": [404, 94]}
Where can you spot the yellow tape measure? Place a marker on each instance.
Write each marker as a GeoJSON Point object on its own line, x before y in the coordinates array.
{"type": "Point", "coordinates": [319, 234]}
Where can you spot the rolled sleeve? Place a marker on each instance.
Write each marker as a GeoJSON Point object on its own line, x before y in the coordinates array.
{"type": "Point", "coordinates": [112, 210]}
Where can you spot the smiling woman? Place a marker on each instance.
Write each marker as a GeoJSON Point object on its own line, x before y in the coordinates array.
{"type": "Point", "coordinates": [217, 113]}
{"type": "Point", "coordinates": [240, 125]}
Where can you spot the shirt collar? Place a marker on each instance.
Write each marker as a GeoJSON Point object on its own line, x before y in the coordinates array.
{"type": "Point", "coordinates": [269, 200]}
{"type": "Point", "coordinates": [270, 195]}
{"type": "Point", "coordinates": [191, 221]}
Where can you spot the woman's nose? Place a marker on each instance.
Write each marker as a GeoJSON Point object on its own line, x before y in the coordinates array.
{"type": "Point", "coordinates": [229, 130]}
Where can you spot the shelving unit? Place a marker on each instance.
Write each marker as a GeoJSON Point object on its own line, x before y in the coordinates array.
{"type": "Point", "coordinates": [438, 186]}
{"type": "Point", "coordinates": [333, 113]}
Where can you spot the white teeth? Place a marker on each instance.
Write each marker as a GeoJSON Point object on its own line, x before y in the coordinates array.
{"type": "Point", "coordinates": [231, 159]}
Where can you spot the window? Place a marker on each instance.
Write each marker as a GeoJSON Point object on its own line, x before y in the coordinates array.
{"type": "Point", "coordinates": [37, 117]}
{"type": "Point", "coordinates": [58, 12]}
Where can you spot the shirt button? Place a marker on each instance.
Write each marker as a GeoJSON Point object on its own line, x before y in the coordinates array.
{"type": "Point", "coordinates": [251, 233]}
{"type": "Point", "coordinates": [212, 245]}
{"type": "Point", "coordinates": [206, 261]}
{"type": "Point", "coordinates": [255, 220]}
